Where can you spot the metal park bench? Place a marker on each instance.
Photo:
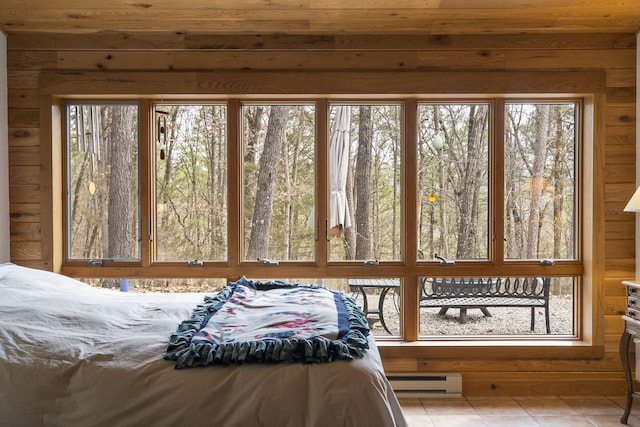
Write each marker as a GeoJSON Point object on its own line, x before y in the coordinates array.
{"type": "Point", "coordinates": [482, 293]}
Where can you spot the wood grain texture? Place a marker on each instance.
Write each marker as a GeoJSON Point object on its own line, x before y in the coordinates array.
{"type": "Point", "coordinates": [25, 232]}
{"type": "Point", "coordinates": [620, 157]}
{"type": "Point", "coordinates": [24, 174]}
{"type": "Point", "coordinates": [27, 79]}
{"type": "Point", "coordinates": [300, 17]}
{"type": "Point", "coordinates": [620, 230]}
{"type": "Point", "coordinates": [25, 251]}
{"type": "Point", "coordinates": [166, 40]}
{"type": "Point", "coordinates": [25, 212]}
{"type": "Point", "coordinates": [586, 383]}
{"type": "Point", "coordinates": [24, 136]}
{"type": "Point", "coordinates": [338, 82]}
{"type": "Point", "coordinates": [413, 62]}
{"type": "Point", "coordinates": [24, 156]}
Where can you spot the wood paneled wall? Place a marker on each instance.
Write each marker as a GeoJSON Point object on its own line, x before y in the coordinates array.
{"type": "Point", "coordinates": [30, 55]}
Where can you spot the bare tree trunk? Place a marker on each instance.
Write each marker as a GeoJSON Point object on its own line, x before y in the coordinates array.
{"type": "Point", "coordinates": [263, 210]}
{"type": "Point", "coordinates": [537, 180]}
{"type": "Point", "coordinates": [291, 212]}
{"type": "Point", "coordinates": [254, 117]}
{"type": "Point", "coordinates": [422, 205]}
{"type": "Point", "coordinates": [396, 197]}
{"type": "Point", "coordinates": [79, 186]}
{"type": "Point", "coordinates": [510, 214]}
{"type": "Point", "coordinates": [212, 206]}
{"type": "Point", "coordinates": [91, 238]}
{"type": "Point", "coordinates": [165, 197]}
{"type": "Point", "coordinates": [221, 188]}
{"type": "Point", "coordinates": [471, 183]}
{"type": "Point", "coordinates": [193, 233]}
{"type": "Point", "coordinates": [349, 233]}
{"type": "Point", "coordinates": [374, 204]}
{"type": "Point", "coordinates": [515, 159]}
{"type": "Point", "coordinates": [442, 216]}
{"type": "Point", "coordinates": [286, 235]}
{"type": "Point", "coordinates": [558, 186]}
{"type": "Point", "coordinates": [362, 183]}
{"type": "Point", "coordinates": [119, 236]}
{"type": "Point", "coordinates": [442, 188]}
{"type": "Point", "coordinates": [218, 201]}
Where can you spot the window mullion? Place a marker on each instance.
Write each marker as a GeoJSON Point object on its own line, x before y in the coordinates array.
{"type": "Point", "coordinates": [409, 303]}
{"type": "Point", "coordinates": [497, 182]}
{"type": "Point", "coordinates": [322, 183]}
{"type": "Point", "coordinates": [234, 177]}
{"type": "Point", "coordinates": [147, 183]}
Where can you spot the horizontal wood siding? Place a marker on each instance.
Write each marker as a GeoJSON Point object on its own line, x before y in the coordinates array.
{"type": "Point", "coordinates": [35, 58]}
{"type": "Point", "coordinates": [327, 16]}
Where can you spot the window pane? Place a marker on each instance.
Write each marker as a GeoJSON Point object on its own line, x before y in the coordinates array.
{"type": "Point", "coordinates": [453, 181]}
{"type": "Point", "coordinates": [365, 198]}
{"type": "Point", "coordinates": [102, 182]}
{"type": "Point", "coordinates": [540, 186]}
{"type": "Point", "coordinates": [497, 306]}
{"type": "Point", "coordinates": [379, 299]}
{"type": "Point", "coordinates": [191, 182]}
{"type": "Point", "coordinates": [278, 149]}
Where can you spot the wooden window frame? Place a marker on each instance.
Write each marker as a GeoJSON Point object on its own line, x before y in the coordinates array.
{"type": "Point", "coordinates": [56, 87]}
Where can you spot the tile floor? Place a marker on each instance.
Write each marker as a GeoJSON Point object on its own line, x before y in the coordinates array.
{"type": "Point", "coordinates": [517, 411]}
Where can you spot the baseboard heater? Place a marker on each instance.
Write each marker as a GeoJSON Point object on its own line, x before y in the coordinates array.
{"type": "Point", "coordinates": [425, 384]}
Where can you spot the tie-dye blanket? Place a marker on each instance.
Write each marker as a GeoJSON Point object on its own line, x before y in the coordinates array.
{"type": "Point", "coordinates": [249, 322]}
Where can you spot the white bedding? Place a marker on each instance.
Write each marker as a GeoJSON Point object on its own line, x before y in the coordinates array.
{"type": "Point", "coordinates": [75, 355]}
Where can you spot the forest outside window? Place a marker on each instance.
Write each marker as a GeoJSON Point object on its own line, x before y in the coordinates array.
{"type": "Point", "coordinates": [278, 142]}
{"type": "Point", "coordinates": [103, 215]}
{"type": "Point", "coordinates": [190, 182]}
{"type": "Point", "coordinates": [495, 190]}
{"type": "Point", "coordinates": [365, 185]}
{"type": "Point", "coordinates": [534, 185]}
{"type": "Point", "coordinates": [453, 181]}
{"type": "Point", "coordinates": [540, 203]}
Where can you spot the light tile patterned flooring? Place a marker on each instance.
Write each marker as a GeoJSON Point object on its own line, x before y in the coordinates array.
{"type": "Point", "coordinates": [517, 411]}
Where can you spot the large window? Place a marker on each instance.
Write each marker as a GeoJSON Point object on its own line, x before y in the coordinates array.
{"type": "Point", "coordinates": [278, 154]}
{"type": "Point", "coordinates": [190, 182]}
{"type": "Point", "coordinates": [365, 181]}
{"type": "Point", "coordinates": [463, 196]}
{"type": "Point", "coordinates": [403, 203]}
{"type": "Point", "coordinates": [540, 180]}
{"type": "Point", "coordinates": [453, 181]}
{"type": "Point", "coordinates": [103, 207]}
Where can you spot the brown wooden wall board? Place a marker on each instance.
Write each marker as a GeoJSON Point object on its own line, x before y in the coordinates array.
{"type": "Point", "coordinates": [42, 64]}
{"type": "Point", "coordinates": [24, 137]}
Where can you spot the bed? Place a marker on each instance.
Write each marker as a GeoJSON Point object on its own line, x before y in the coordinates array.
{"type": "Point", "coordinates": [75, 355]}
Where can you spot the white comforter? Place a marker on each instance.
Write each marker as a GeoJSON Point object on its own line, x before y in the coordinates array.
{"type": "Point", "coordinates": [74, 355]}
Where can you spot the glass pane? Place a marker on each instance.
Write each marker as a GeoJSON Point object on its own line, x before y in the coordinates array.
{"type": "Point", "coordinates": [379, 298]}
{"type": "Point", "coordinates": [540, 185]}
{"type": "Point", "coordinates": [191, 182]}
{"type": "Point", "coordinates": [365, 198]}
{"type": "Point", "coordinates": [278, 192]}
{"type": "Point", "coordinates": [102, 182]}
{"type": "Point", "coordinates": [453, 181]}
{"type": "Point", "coordinates": [498, 306]}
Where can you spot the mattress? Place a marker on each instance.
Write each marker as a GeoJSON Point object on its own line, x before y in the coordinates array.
{"type": "Point", "coordinates": [76, 355]}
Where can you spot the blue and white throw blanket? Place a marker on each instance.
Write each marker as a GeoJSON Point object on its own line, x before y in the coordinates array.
{"type": "Point", "coordinates": [249, 322]}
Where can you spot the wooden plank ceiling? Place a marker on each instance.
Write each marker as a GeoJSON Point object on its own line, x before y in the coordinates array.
{"type": "Point", "coordinates": [429, 17]}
